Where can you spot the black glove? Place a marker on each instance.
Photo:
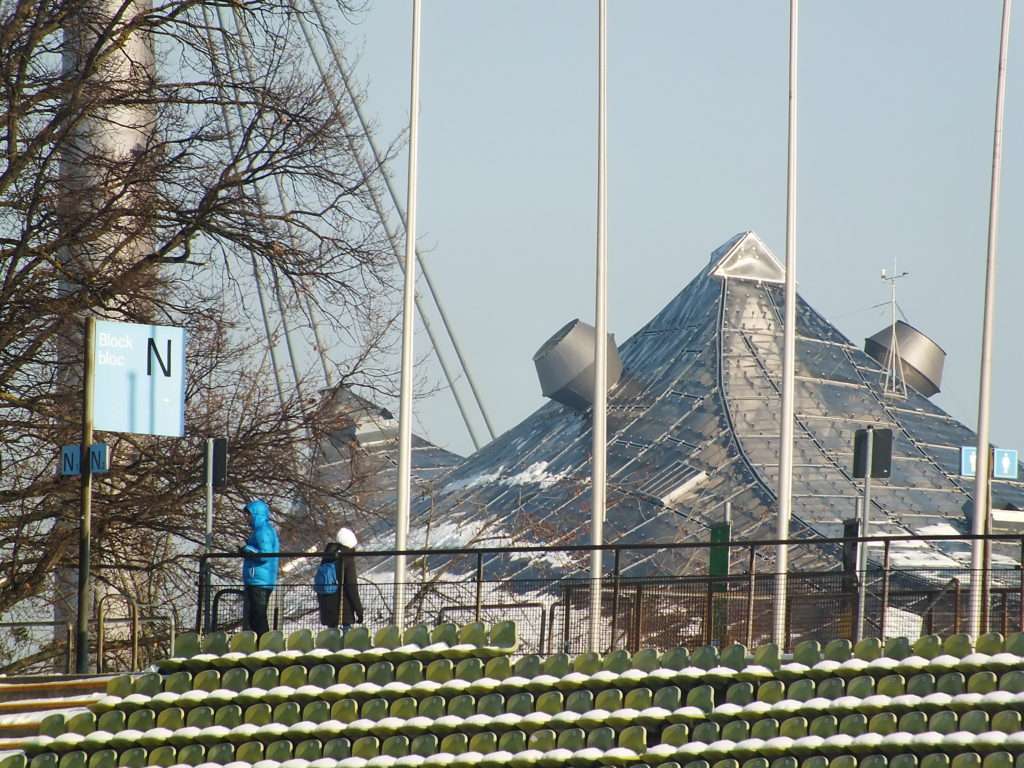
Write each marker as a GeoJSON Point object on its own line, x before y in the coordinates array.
{"type": "Point", "coordinates": [241, 550]}
{"type": "Point", "coordinates": [359, 618]}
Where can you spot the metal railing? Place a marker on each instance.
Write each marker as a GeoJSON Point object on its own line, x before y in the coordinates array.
{"type": "Point", "coordinates": [547, 590]}
{"type": "Point", "coordinates": [135, 620]}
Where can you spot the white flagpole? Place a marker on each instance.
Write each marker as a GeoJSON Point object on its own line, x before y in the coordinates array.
{"type": "Point", "coordinates": [408, 316]}
{"type": "Point", "coordinates": [982, 483]}
{"type": "Point", "coordinates": [600, 332]}
{"type": "Point", "coordinates": [785, 487]}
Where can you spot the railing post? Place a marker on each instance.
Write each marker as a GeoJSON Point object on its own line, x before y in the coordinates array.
{"type": "Point", "coordinates": [101, 616]}
{"type": "Point", "coordinates": [70, 634]}
{"type": "Point", "coordinates": [751, 578]}
{"type": "Point", "coordinates": [565, 618]}
{"type": "Point", "coordinates": [133, 608]}
{"type": "Point", "coordinates": [1006, 610]}
{"type": "Point", "coordinates": [202, 598]}
{"type": "Point", "coordinates": [638, 618]}
{"type": "Point", "coordinates": [1020, 599]}
{"type": "Point", "coordinates": [479, 585]}
{"type": "Point", "coordinates": [885, 589]}
{"type": "Point", "coordinates": [956, 605]}
{"type": "Point", "coordinates": [615, 598]}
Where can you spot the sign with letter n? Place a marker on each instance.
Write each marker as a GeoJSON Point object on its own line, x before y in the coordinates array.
{"type": "Point", "coordinates": [139, 379]}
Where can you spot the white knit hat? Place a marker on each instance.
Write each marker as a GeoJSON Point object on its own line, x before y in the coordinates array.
{"type": "Point", "coordinates": [347, 539]}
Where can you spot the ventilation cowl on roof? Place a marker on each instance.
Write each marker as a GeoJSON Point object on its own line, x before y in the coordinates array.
{"type": "Point", "coordinates": [922, 358]}
{"type": "Point", "coordinates": [746, 257]}
{"type": "Point", "coordinates": [565, 365]}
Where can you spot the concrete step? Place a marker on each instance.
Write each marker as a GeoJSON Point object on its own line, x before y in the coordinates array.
{"type": "Point", "coordinates": [25, 701]}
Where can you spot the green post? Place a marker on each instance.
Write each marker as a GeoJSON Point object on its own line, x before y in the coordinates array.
{"type": "Point", "coordinates": [85, 529]}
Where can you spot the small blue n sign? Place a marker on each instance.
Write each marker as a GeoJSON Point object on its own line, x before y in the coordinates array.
{"type": "Point", "coordinates": [71, 459]}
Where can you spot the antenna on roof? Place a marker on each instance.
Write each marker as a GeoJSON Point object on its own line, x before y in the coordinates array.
{"type": "Point", "coordinates": [895, 382]}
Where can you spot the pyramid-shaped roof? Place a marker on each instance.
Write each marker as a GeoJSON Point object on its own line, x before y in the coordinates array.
{"type": "Point", "coordinates": [693, 423]}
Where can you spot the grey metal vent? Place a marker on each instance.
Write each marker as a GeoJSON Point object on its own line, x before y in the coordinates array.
{"type": "Point", "coordinates": [565, 365]}
{"type": "Point", "coordinates": [922, 358]}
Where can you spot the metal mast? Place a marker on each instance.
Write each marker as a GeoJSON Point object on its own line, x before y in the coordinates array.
{"type": "Point", "coordinates": [785, 487]}
{"type": "Point", "coordinates": [982, 483]}
{"type": "Point", "coordinates": [600, 445]}
{"type": "Point", "coordinates": [405, 407]}
{"type": "Point", "coordinates": [895, 382]}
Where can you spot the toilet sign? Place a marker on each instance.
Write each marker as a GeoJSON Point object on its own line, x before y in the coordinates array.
{"type": "Point", "coordinates": [139, 379]}
{"type": "Point", "coordinates": [1004, 462]}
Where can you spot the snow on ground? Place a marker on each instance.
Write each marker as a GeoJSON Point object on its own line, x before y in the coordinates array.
{"type": "Point", "coordinates": [535, 474]}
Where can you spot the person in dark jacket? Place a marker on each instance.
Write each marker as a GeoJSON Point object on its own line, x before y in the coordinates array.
{"type": "Point", "coordinates": [259, 573]}
{"type": "Point", "coordinates": [337, 583]}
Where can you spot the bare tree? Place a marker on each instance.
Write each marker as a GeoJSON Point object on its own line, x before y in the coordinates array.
{"type": "Point", "coordinates": [181, 193]}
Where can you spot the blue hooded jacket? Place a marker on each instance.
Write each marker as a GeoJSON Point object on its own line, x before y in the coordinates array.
{"type": "Point", "coordinates": [260, 571]}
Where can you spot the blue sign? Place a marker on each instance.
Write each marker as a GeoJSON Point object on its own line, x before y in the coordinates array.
{"type": "Point", "coordinates": [139, 382]}
{"type": "Point", "coordinates": [1004, 464]}
{"type": "Point", "coordinates": [71, 459]}
{"type": "Point", "coordinates": [968, 460]}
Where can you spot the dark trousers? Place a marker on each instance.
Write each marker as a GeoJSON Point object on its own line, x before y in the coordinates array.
{"type": "Point", "coordinates": [254, 612]}
{"type": "Point", "coordinates": [329, 609]}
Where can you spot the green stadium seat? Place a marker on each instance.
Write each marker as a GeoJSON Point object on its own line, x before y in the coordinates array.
{"type": "Point", "coordinates": [116, 720]}
{"type": "Point", "coordinates": [329, 639]}
{"type": "Point", "coordinates": [287, 713]}
{"type": "Point", "coordinates": [337, 749]}
{"type": "Point", "coordinates": [831, 688]}
{"type": "Point", "coordinates": [689, 764]}
{"type": "Point", "coordinates": [178, 682]}
{"type": "Point", "coordinates": [756, 762]}
{"type": "Point", "coordinates": [499, 667]}
{"type": "Point", "coordinates": [197, 717]}
{"type": "Point", "coordinates": [906, 760]}
{"type": "Point", "coordinates": [580, 701]}
{"type": "Point", "coordinates": [739, 693]}
{"type": "Point", "coordinates": [471, 669]}
{"type": "Point", "coordinates": [120, 686]}
{"type": "Point", "coordinates": [706, 732]}
{"type": "Point", "coordinates": [215, 643]}
{"type": "Point", "coordinates": [272, 641]}
{"type": "Point", "coordinates": [646, 660]}
{"type": "Point", "coordinates": [854, 724]}
{"type": "Point", "coordinates": [463, 705]}
{"type": "Point", "coordinates": [935, 760]}
{"type": "Point", "coordinates": [793, 727]}
{"type": "Point", "coordinates": [1007, 721]}
{"type": "Point", "coordinates": [984, 681]}
{"type": "Point", "coordinates": [967, 760]}
{"type": "Point", "coordinates": [765, 728]}
{"type": "Point", "coordinates": [734, 656]}
{"type": "Point", "coordinates": [455, 744]}
{"type": "Point", "coordinates": [726, 763]}
{"type": "Point", "coordinates": [861, 686]}
{"type": "Point", "coordinates": [490, 704]}
{"type": "Point", "coordinates": [990, 643]}
{"type": "Point", "coordinates": [395, 746]}
{"type": "Point", "coordinates": [503, 635]}
{"type": "Point", "coordinates": [767, 655]}
{"type": "Point", "coordinates": [409, 672]}
{"type": "Point", "coordinates": [609, 700]}
{"type": "Point", "coordinates": [633, 737]}
{"type": "Point", "coordinates": [404, 708]}
{"type": "Point", "coordinates": [148, 684]}
{"type": "Point", "coordinates": [380, 673]}
{"type": "Point", "coordinates": [891, 685]}
{"type": "Point", "coordinates": [207, 680]}
{"type": "Point", "coordinates": [705, 657]}
{"type": "Point", "coordinates": [235, 679]}
{"type": "Point", "coordinates": [416, 635]}
{"type": "Point", "coordinates": [587, 663]}
{"type": "Point", "coordinates": [735, 730]}
{"type": "Point", "coordinates": [572, 739]}
{"type": "Point", "coordinates": [374, 709]}
{"type": "Point", "coordinates": [162, 756]}
{"type": "Point", "coordinates": [638, 698]}
{"type": "Point", "coordinates": [387, 637]}
{"type": "Point", "coordinates": [483, 742]}
{"type": "Point", "coordinates": [321, 675]}
{"type": "Point", "coordinates": [258, 714]}
{"type": "Point", "coordinates": [958, 645]}
{"type": "Point", "coordinates": [807, 652]}
{"type": "Point", "coordinates": [616, 661]}
{"type": "Point", "coordinates": [817, 761]}
{"type": "Point", "coordinates": [219, 754]}
{"type": "Point", "coordinates": [249, 752]}
{"type": "Point", "coordinates": [351, 674]}
{"type": "Point", "coordinates": [771, 691]}
{"type": "Point", "coordinates": [897, 648]}
{"type": "Point", "coordinates": [82, 723]}
{"type": "Point", "coordinates": [186, 645]}
{"type": "Point", "coordinates": [191, 754]}
{"type": "Point", "coordinates": [668, 697]}
{"type": "Point", "coordinates": [873, 761]}
{"type": "Point", "coordinates": [266, 678]}
{"type": "Point", "coordinates": [1015, 643]}
{"type": "Point", "coordinates": [433, 707]}
{"type": "Point", "coordinates": [79, 759]}
{"type": "Point", "coordinates": [366, 747]}
{"type": "Point", "coordinates": [474, 634]}
{"type": "Point", "coordinates": [552, 702]}
{"type": "Point", "coordinates": [914, 722]}
{"type": "Point", "coordinates": [676, 658]}
{"type": "Point", "coordinates": [229, 716]}
{"type": "Point", "coordinates": [675, 735]}
{"type": "Point", "coordinates": [309, 749]}
{"type": "Point", "coordinates": [943, 722]}
{"type": "Point", "coordinates": [843, 761]}
{"type": "Point", "coordinates": [144, 719]}
{"type": "Point", "coordinates": [702, 697]}
{"type": "Point", "coordinates": [243, 642]}
{"type": "Point", "coordinates": [513, 741]}
{"type": "Point", "coordinates": [345, 710]}
{"type": "Point", "coordinates": [921, 684]}
{"type": "Point", "coordinates": [1012, 681]}
{"type": "Point", "coordinates": [824, 726]}
{"type": "Point", "coordinates": [928, 646]}
{"type": "Point", "coordinates": [839, 650]}
{"type": "Point", "coordinates": [543, 739]}
{"type": "Point", "coordinates": [952, 683]}
{"type": "Point", "coordinates": [602, 738]}
{"type": "Point", "coordinates": [103, 758]}
{"type": "Point", "coordinates": [424, 745]}
{"type": "Point", "coordinates": [133, 757]}
{"type": "Point", "coordinates": [440, 671]}
{"type": "Point", "coordinates": [357, 638]}
{"type": "Point", "coordinates": [883, 723]}
{"type": "Point", "coordinates": [445, 633]}
{"type": "Point", "coordinates": [868, 649]}
{"type": "Point", "coordinates": [975, 721]}
{"type": "Point", "coordinates": [801, 690]}
{"type": "Point", "coordinates": [997, 760]}
{"type": "Point", "coordinates": [785, 762]}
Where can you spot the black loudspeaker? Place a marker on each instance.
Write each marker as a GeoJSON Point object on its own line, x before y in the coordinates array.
{"type": "Point", "coordinates": [220, 462]}
{"type": "Point", "coordinates": [851, 529]}
{"type": "Point", "coordinates": [881, 453]}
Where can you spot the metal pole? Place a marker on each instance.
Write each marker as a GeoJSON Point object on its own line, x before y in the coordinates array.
{"type": "Point", "coordinates": [405, 409]}
{"type": "Point", "coordinates": [862, 549]}
{"type": "Point", "coordinates": [85, 528]}
{"type": "Point", "coordinates": [601, 333]}
{"type": "Point", "coordinates": [981, 480]}
{"type": "Point", "coordinates": [785, 487]}
{"type": "Point", "coordinates": [209, 529]}
{"type": "Point", "coordinates": [885, 591]}
{"type": "Point", "coordinates": [751, 579]}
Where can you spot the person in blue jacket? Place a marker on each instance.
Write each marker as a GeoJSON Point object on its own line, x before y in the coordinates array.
{"type": "Point", "coordinates": [259, 573]}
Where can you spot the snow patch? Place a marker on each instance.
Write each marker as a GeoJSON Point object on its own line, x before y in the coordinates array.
{"type": "Point", "coordinates": [535, 474]}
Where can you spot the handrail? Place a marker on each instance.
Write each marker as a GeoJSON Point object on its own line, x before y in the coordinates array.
{"type": "Point", "coordinates": [134, 619]}
{"type": "Point", "coordinates": [68, 629]}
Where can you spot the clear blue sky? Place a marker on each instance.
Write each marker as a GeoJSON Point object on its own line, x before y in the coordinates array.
{"type": "Point", "coordinates": [895, 142]}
